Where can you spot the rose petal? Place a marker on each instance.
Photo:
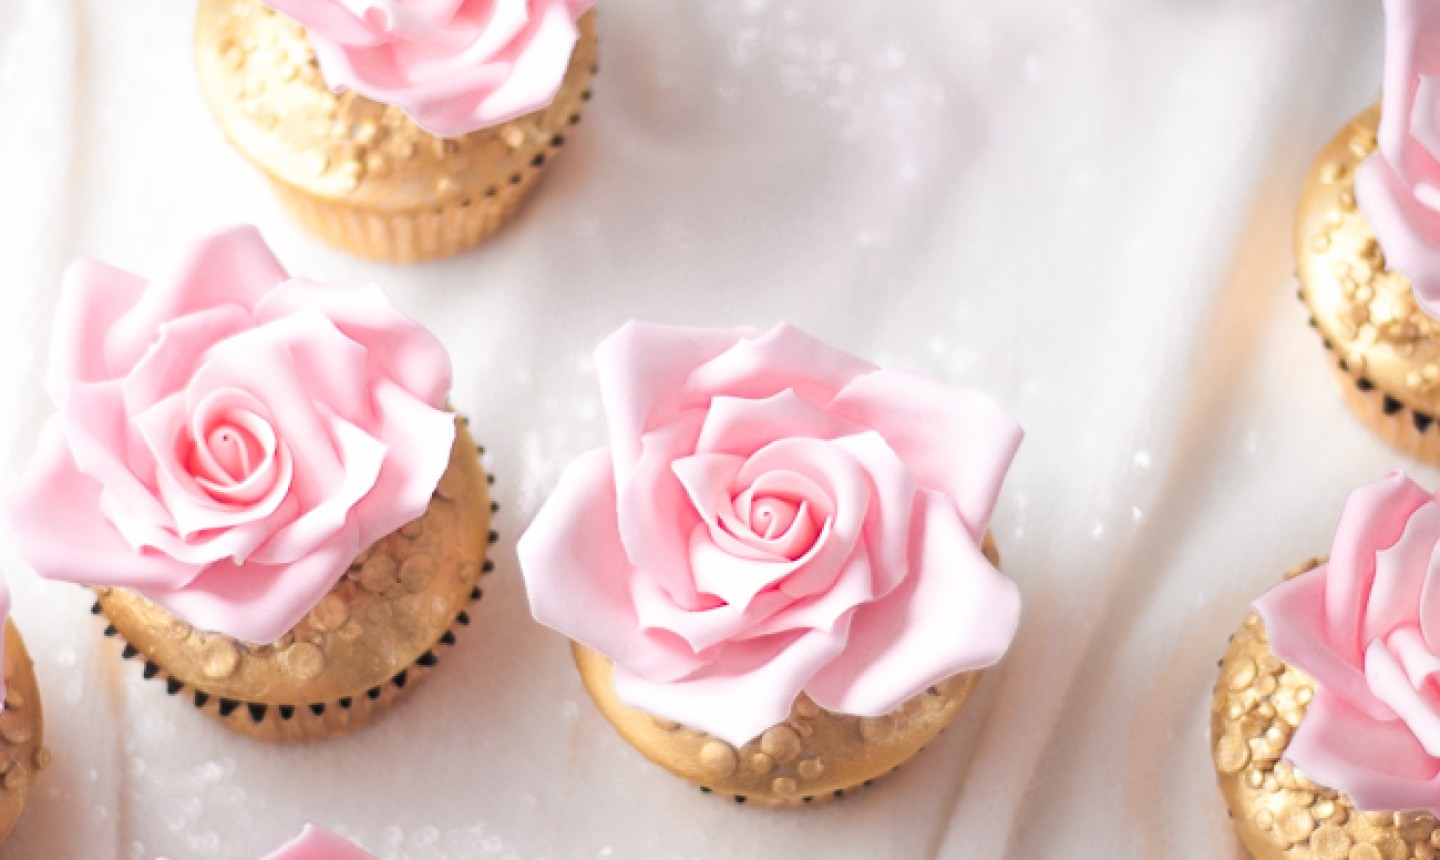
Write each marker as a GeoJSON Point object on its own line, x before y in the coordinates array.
{"type": "Point", "coordinates": [853, 587]}
{"type": "Point", "coordinates": [1373, 520]}
{"type": "Point", "coordinates": [260, 602]}
{"type": "Point", "coordinates": [362, 457]}
{"type": "Point", "coordinates": [53, 513]}
{"type": "Point", "coordinates": [1294, 616]}
{"type": "Point", "coordinates": [232, 266]}
{"type": "Point", "coordinates": [700, 628]}
{"type": "Point", "coordinates": [92, 297]}
{"type": "Point", "coordinates": [1388, 771]}
{"type": "Point", "coordinates": [741, 427]}
{"type": "Point", "coordinates": [1400, 574]}
{"type": "Point", "coordinates": [178, 350]}
{"type": "Point", "coordinates": [954, 440]}
{"type": "Point", "coordinates": [99, 437]}
{"type": "Point", "coordinates": [577, 575]}
{"type": "Point", "coordinates": [954, 613]}
{"type": "Point", "coordinates": [418, 442]}
{"type": "Point", "coordinates": [395, 345]}
{"type": "Point", "coordinates": [783, 358]}
{"type": "Point", "coordinates": [746, 690]}
{"type": "Point", "coordinates": [642, 370]}
{"type": "Point", "coordinates": [1409, 231]}
{"type": "Point", "coordinates": [1397, 668]}
{"type": "Point", "coordinates": [655, 518]}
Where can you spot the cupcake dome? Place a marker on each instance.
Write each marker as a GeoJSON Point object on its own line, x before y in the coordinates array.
{"type": "Point", "coordinates": [22, 723]}
{"type": "Point", "coordinates": [1323, 723]}
{"type": "Point", "coordinates": [259, 476]}
{"type": "Point", "coordinates": [343, 138]}
{"type": "Point", "coordinates": [776, 518]}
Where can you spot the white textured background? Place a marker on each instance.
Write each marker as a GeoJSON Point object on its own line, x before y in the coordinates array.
{"type": "Point", "coordinates": [1084, 207]}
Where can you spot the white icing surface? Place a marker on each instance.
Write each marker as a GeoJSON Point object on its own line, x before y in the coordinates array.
{"type": "Point", "coordinates": [1086, 211]}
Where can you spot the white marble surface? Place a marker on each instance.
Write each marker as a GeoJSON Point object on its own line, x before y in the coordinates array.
{"type": "Point", "coordinates": [1083, 207]}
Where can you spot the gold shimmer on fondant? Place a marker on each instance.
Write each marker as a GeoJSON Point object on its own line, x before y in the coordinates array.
{"type": "Point", "coordinates": [814, 755]}
{"type": "Point", "coordinates": [1386, 349]}
{"type": "Point", "coordinates": [1280, 813]}
{"type": "Point", "coordinates": [367, 641]}
{"type": "Point", "coordinates": [22, 732]}
{"type": "Point", "coordinates": [360, 174]}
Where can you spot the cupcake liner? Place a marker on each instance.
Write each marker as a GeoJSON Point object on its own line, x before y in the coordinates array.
{"type": "Point", "coordinates": [359, 174]}
{"type": "Point", "coordinates": [380, 630]}
{"type": "Point", "coordinates": [1279, 812]}
{"type": "Point", "coordinates": [814, 755]}
{"type": "Point", "coordinates": [1385, 349]}
{"type": "Point", "coordinates": [23, 753]}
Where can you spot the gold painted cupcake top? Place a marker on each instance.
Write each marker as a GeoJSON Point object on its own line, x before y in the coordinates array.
{"type": "Point", "coordinates": [261, 81]}
{"type": "Point", "coordinates": [1280, 813]}
{"type": "Point", "coordinates": [810, 756]}
{"type": "Point", "coordinates": [398, 599]}
{"type": "Point", "coordinates": [1365, 311]}
{"type": "Point", "coordinates": [22, 732]}
{"type": "Point", "coordinates": [813, 755]}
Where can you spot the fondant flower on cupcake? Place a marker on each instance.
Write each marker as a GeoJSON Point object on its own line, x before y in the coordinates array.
{"type": "Point", "coordinates": [455, 66]}
{"type": "Point", "coordinates": [1398, 187]}
{"type": "Point", "coordinates": [228, 438]}
{"type": "Point", "coordinates": [1366, 627]}
{"type": "Point", "coordinates": [774, 516]}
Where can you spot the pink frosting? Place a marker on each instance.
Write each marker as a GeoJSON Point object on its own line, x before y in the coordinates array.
{"type": "Point", "coordinates": [1398, 188]}
{"type": "Point", "coordinates": [316, 844]}
{"type": "Point", "coordinates": [454, 66]}
{"type": "Point", "coordinates": [1366, 627]}
{"type": "Point", "coordinates": [775, 516]}
{"type": "Point", "coordinates": [228, 438]}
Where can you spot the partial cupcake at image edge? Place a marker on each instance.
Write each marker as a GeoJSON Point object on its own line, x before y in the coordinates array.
{"type": "Point", "coordinates": [398, 131]}
{"type": "Point", "coordinates": [1325, 723]}
{"type": "Point", "coordinates": [23, 753]}
{"type": "Point", "coordinates": [314, 843]}
{"type": "Point", "coordinates": [1367, 243]}
{"type": "Point", "coordinates": [260, 477]}
{"type": "Point", "coordinates": [778, 577]}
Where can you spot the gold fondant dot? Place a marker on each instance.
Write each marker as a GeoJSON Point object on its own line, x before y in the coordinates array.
{"type": "Point", "coordinates": [305, 661]}
{"type": "Point", "coordinates": [762, 763]}
{"type": "Point", "coordinates": [784, 785]}
{"type": "Point", "coordinates": [810, 768]}
{"type": "Point", "coordinates": [413, 529]}
{"type": "Point", "coordinates": [43, 758]}
{"type": "Point", "coordinates": [218, 658]}
{"type": "Point", "coordinates": [1330, 843]}
{"type": "Point", "coordinates": [718, 759]}
{"type": "Point", "coordinates": [1240, 674]}
{"type": "Point", "coordinates": [468, 572]}
{"type": "Point", "coordinates": [379, 573]}
{"type": "Point", "coordinates": [806, 708]}
{"type": "Point", "coordinates": [330, 613]}
{"type": "Point", "coordinates": [1231, 753]}
{"type": "Point", "coordinates": [1294, 824]}
{"type": "Point", "coordinates": [415, 573]}
{"type": "Point", "coordinates": [781, 743]}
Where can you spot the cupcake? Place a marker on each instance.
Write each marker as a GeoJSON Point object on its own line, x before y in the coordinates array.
{"type": "Point", "coordinates": [778, 578]}
{"type": "Point", "coordinates": [398, 130]}
{"type": "Point", "coordinates": [316, 844]}
{"type": "Point", "coordinates": [1367, 243]}
{"type": "Point", "coordinates": [22, 723]}
{"type": "Point", "coordinates": [260, 478]}
{"type": "Point", "coordinates": [1325, 724]}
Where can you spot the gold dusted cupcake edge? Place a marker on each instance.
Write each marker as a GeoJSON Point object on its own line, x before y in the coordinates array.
{"type": "Point", "coordinates": [375, 635]}
{"type": "Point", "coordinates": [1279, 813]}
{"type": "Point", "coordinates": [359, 174]}
{"type": "Point", "coordinates": [1386, 349]}
{"type": "Point", "coordinates": [813, 755]}
{"type": "Point", "coordinates": [22, 732]}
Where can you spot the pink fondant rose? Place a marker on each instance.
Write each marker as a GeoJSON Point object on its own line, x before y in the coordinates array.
{"type": "Point", "coordinates": [775, 516]}
{"type": "Point", "coordinates": [454, 66]}
{"type": "Point", "coordinates": [228, 438]}
{"type": "Point", "coordinates": [1366, 627]}
{"type": "Point", "coordinates": [1398, 188]}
